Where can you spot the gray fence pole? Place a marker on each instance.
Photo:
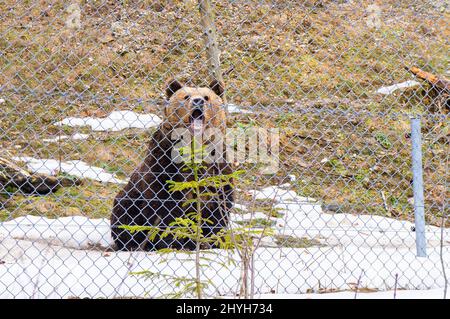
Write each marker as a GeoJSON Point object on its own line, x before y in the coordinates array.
{"type": "Point", "coordinates": [419, 208]}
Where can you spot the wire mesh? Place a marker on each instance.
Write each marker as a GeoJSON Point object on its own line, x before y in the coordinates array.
{"type": "Point", "coordinates": [325, 86]}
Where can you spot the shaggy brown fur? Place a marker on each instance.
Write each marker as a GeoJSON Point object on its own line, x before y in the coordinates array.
{"type": "Point", "coordinates": [146, 200]}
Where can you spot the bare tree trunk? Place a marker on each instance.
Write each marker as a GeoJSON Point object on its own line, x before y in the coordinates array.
{"type": "Point", "coordinates": [244, 275]}
{"type": "Point", "coordinates": [252, 275]}
{"type": "Point", "coordinates": [210, 37]}
{"type": "Point", "coordinates": [439, 81]}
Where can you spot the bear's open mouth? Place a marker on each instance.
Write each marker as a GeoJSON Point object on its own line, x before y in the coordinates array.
{"type": "Point", "coordinates": [196, 120]}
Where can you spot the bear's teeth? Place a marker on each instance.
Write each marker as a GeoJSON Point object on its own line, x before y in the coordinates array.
{"type": "Point", "coordinates": [197, 125]}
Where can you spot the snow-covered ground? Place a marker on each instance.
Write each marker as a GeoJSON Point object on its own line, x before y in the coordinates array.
{"type": "Point", "coordinates": [75, 168]}
{"type": "Point", "coordinates": [392, 294]}
{"type": "Point", "coordinates": [66, 257]}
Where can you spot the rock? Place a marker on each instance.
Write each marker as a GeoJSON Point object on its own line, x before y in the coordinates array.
{"type": "Point", "coordinates": [72, 211]}
{"type": "Point", "coordinates": [43, 206]}
{"type": "Point", "coordinates": [106, 38]}
{"type": "Point", "coordinates": [336, 208]}
{"type": "Point", "coordinates": [120, 29]}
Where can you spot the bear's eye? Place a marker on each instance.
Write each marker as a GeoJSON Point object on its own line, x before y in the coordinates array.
{"type": "Point", "coordinates": [206, 98]}
{"type": "Point", "coordinates": [187, 97]}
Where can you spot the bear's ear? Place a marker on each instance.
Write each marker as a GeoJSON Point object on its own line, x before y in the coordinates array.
{"type": "Point", "coordinates": [217, 87]}
{"type": "Point", "coordinates": [172, 86]}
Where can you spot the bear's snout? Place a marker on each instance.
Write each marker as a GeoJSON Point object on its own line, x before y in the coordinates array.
{"type": "Point", "coordinates": [198, 102]}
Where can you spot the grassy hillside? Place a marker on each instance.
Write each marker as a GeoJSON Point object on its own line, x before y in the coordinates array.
{"type": "Point", "coordinates": [309, 68]}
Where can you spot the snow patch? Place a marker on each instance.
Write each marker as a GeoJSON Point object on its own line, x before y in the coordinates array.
{"type": "Point", "coordinates": [74, 232]}
{"type": "Point", "coordinates": [233, 108]}
{"type": "Point", "coordinates": [77, 136]}
{"type": "Point", "coordinates": [391, 89]}
{"type": "Point", "coordinates": [75, 168]}
{"type": "Point", "coordinates": [279, 194]}
{"type": "Point", "coordinates": [249, 216]}
{"type": "Point", "coordinates": [116, 121]}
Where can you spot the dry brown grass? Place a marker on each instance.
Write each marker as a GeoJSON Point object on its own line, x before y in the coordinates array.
{"type": "Point", "coordinates": [289, 61]}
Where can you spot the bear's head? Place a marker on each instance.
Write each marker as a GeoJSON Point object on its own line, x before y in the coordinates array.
{"type": "Point", "coordinates": [195, 108]}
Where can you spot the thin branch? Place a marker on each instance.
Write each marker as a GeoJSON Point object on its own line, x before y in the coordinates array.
{"type": "Point", "coordinates": [441, 252]}
{"type": "Point", "coordinates": [129, 266]}
{"type": "Point", "coordinates": [358, 283]}
{"type": "Point", "coordinates": [395, 286]}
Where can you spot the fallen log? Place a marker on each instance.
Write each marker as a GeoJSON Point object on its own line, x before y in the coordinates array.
{"type": "Point", "coordinates": [438, 82]}
{"type": "Point", "coordinates": [440, 89]}
{"type": "Point", "coordinates": [12, 175]}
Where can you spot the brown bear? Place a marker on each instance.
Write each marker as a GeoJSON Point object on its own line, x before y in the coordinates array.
{"type": "Point", "coordinates": [146, 199]}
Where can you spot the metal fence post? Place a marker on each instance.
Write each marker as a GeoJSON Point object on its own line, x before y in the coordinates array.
{"type": "Point", "coordinates": [419, 213]}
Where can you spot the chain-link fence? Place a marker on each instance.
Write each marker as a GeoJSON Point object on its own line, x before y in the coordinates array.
{"type": "Point", "coordinates": [95, 203]}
